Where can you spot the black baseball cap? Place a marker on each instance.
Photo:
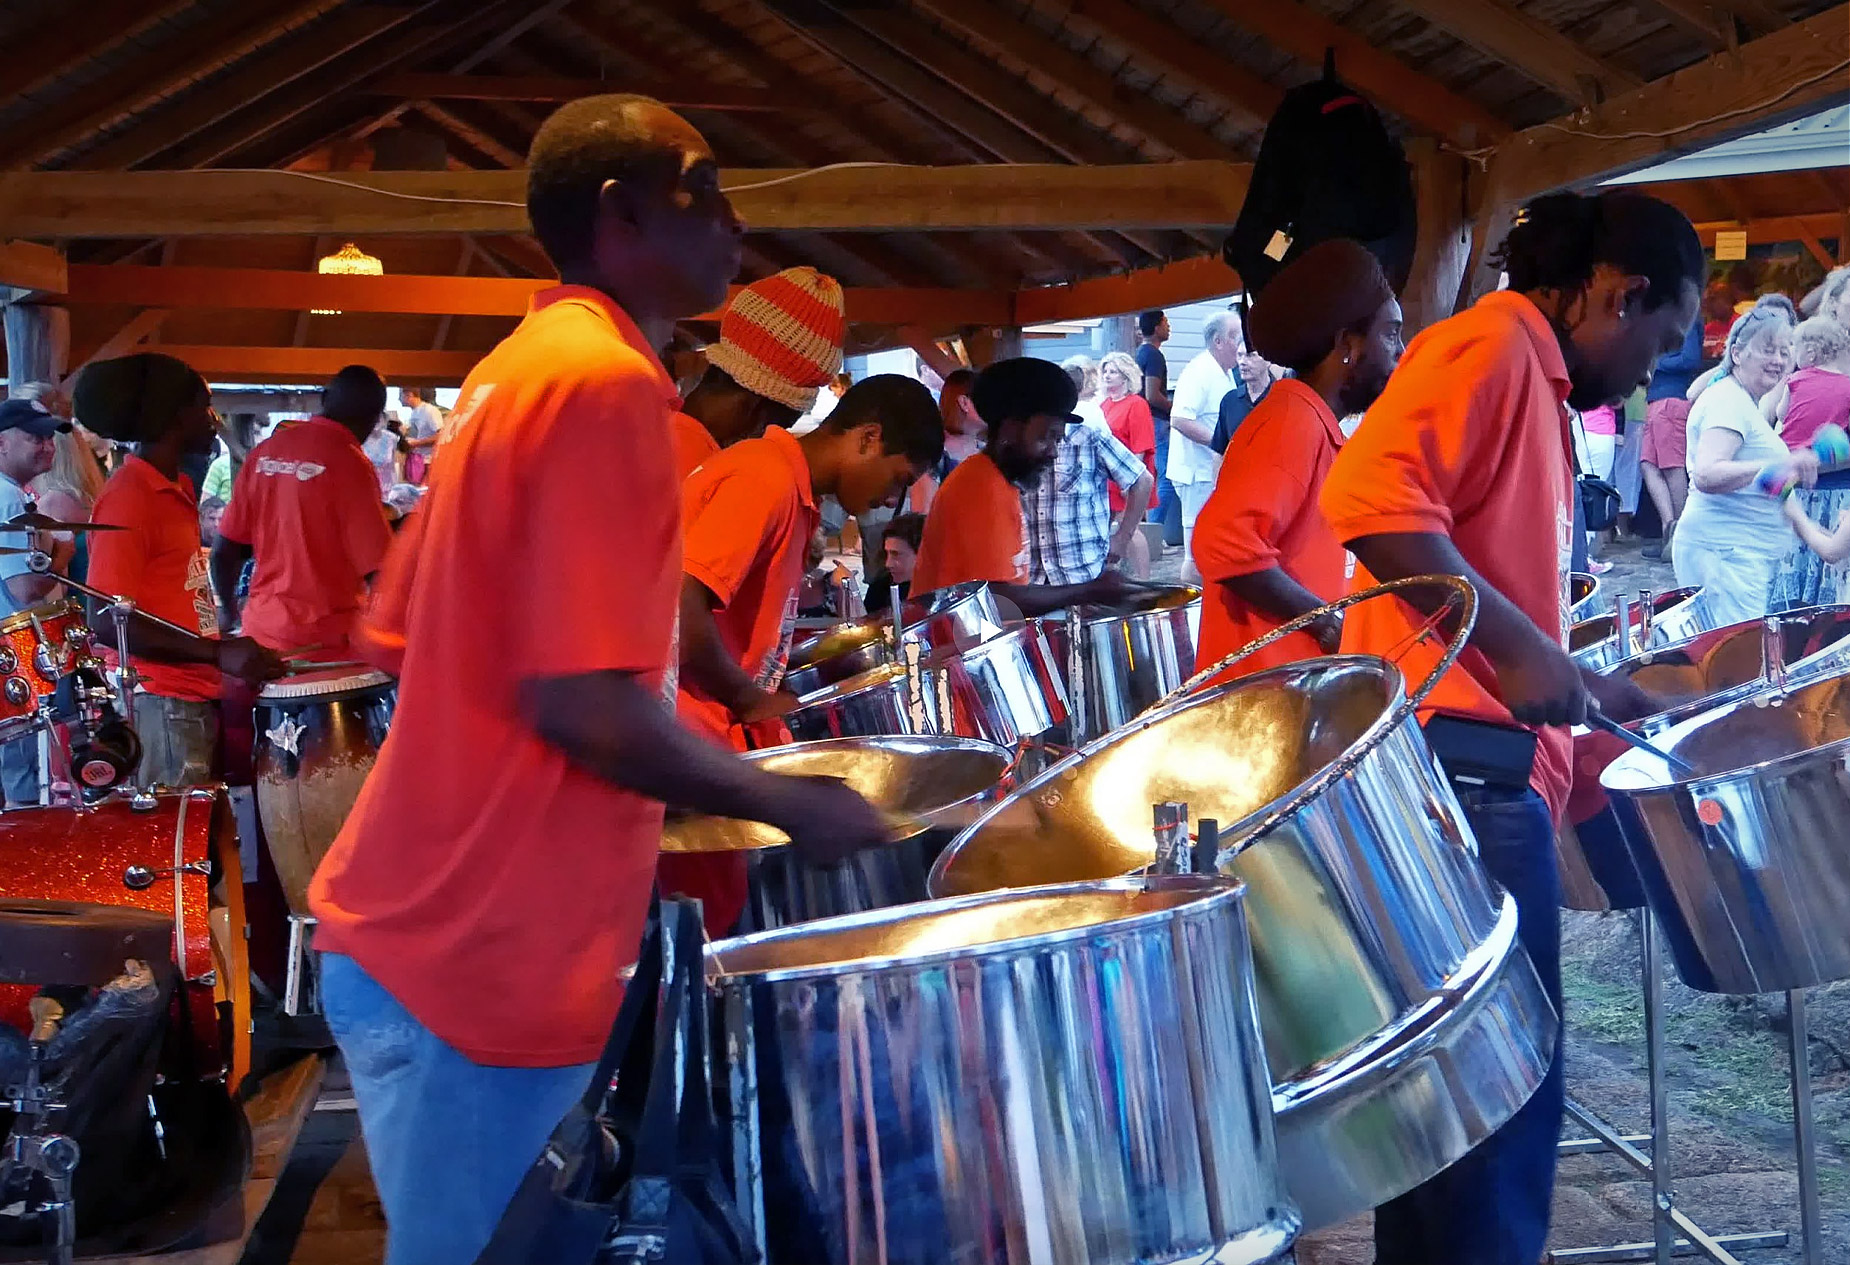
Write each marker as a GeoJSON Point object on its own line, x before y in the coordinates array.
{"type": "Point", "coordinates": [32, 417]}
{"type": "Point", "coordinates": [1021, 388]}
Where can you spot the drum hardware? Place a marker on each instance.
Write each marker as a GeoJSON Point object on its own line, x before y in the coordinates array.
{"type": "Point", "coordinates": [1078, 696]}
{"type": "Point", "coordinates": [138, 878]}
{"type": "Point", "coordinates": [31, 1147]}
{"type": "Point", "coordinates": [1173, 855]}
{"type": "Point", "coordinates": [33, 521]}
{"type": "Point", "coordinates": [297, 967]}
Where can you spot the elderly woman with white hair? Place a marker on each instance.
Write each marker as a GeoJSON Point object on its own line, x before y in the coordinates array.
{"type": "Point", "coordinates": [1732, 534]}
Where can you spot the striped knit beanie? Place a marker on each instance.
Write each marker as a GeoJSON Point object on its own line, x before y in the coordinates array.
{"type": "Point", "coordinates": [781, 337]}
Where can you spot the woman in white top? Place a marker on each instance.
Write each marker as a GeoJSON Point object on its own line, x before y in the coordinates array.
{"type": "Point", "coordinates": [1732, 535]}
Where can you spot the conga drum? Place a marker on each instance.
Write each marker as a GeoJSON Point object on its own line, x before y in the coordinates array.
{"type": "Point", "coordinates": [318, 734]}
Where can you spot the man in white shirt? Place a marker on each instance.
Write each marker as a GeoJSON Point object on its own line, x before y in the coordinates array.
{"type": "Point", "coordinates": [27, 430]}
{"type": "Point", "coordinates": [423, 427]}
{"type": "Point", "coordinates": [1194, 410]}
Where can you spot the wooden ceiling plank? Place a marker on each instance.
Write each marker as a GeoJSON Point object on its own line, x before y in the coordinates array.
{"type": "Point", "coordinates": [1528, 45]}
{"type": "Point", "coordinates": [1003, 34]}
{"type": "Point", "coordinates": [1154, 42]}
{"type": "Point", "coordinates": [155, 74]}
{"type": "Point", "coordinates": [1306, 34]}
{"type": "Point", "coordinates": [264, 289]}
{"type": "Point", "coordinates": [1777, 77]}
{"type": "Point", "coordinates": [59, 45]}
{"type": "Point", "coordinates": [1707, 22]}
{"type": "Point", "coordinates": [679, 93]}
{"type": "Point", "coordinates": [880, 199]}
{"type": "Point", "coordinates": [278, 109]}
{"type": "Point", "coordinates": [259, 76]}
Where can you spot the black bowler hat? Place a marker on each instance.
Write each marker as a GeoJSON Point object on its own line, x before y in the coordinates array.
{"type": "Point", "coordinates": [1021, 388]}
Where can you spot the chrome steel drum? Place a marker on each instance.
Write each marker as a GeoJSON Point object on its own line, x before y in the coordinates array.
{"type": "Point", "coordinates": [1001, 691]}
{"type": "Point", "coordinates": [1688, 677]}
{"type": "Point", "coordinates": [1133, 656]}
{"type": "Point", "coordinates": [930, 786]}
{"type": "Point", "coordinates": [960, 616]}
{"type": "Point", "coordinates": [1064, 1076]}
{"type": "Point", "coordinates": [1582, 594]}
{"type": "Point", "coordinates": [1402, 1022]}
{"type": "Point", "coordinates": [1675, 616]}
{"type": "Point", "coordinates": [1744, 862]}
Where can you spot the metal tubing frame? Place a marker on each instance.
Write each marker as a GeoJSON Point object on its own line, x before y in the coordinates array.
{"type": "Point", "coordinates": [1804, 1139]}
{"type": "Point", "coordinates": [1672, 1233]}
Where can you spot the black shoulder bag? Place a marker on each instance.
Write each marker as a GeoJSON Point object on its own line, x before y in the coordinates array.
{"type": "Point", "coordinates": [633, 1174]}
{"type": "Point", "coordinates": [1599, 500]}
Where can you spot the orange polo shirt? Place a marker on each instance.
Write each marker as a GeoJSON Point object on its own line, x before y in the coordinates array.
{"type": "Point", "coordinates": [160, 564]}
{"type": "Point", "coordinates": [975, 530]}
{"type": "Point", "coordinates": [491, 886]}
{"type": "Point", "coordinates": [1470, 440]}
{"type": "Point", "coordinates": [693, 444]}
{"type": "Point", "coordinates": [1263, 513]}
{"type": "Point", "coordinates": [307, 503]}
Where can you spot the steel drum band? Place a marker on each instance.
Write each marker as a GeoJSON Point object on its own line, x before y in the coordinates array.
{"type": "Point", "coordinates": [1156, 965]}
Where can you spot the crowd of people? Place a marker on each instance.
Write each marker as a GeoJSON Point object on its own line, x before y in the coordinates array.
{"type": "Point", "coordinates": [589, 614]}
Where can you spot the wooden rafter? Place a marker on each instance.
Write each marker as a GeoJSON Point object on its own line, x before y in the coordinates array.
{"type": "Point", "coordinates": [471, 134]}
{"type": "Point", "coordinates": [257, 76]}
{"type": "Point", "coordinates": [59, 45]}
{"type": "Point", "coordinates": [680, 93]}
{"type": "Point", "coordinates": [1423, 101]}
{"type": "Point", "coordinates": [1189, 281]}
{"type": "Point", "coordinates": [136, 329]}
{"type": "Point", "coordinates": [1051, 60]}
{"type": "Point", "coordinates": [316, 364]}
{"type": "Point", "coordinates": [1154, 42]}
{"type": "Point", "coordinates": [1531, 46]}
{"type": "Point", "coordinates": [30, 266]}
{"type": "Point", "coordinates": [153, 75]}
{"type": "Point", "coordinates": [1779, 76]}
{"type": "Point", "coordinates": [882, 199]}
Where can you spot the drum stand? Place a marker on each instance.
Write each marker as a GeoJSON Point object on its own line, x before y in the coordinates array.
{"type": "Point", "coordinates": [33, 1148]}
{"type": "Point", "coordinates": [1673, 1233]}
{"type": "Point", "coordinates": [297, 967]}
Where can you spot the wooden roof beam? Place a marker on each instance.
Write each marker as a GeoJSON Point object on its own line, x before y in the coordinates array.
{"type": "Point", "coordinates": [31, 266]}
{"type": "Point", "coordinates": [1780, 76]}
{"type": "Point", "coordinates": [1155, 42]}
{"type": "Point", "coordinates": [882, 199]}
{"type": "Point", "coordinates": [59, 45]}
{"type": "Point", "coordinates": [155, 74]}
{"type": "Point", "coordinates": [678, 93]}
{"type": "Point", "coordinates": [1009, 37]}
{"type": "Point", "coordinates": [1424, 102]}
{"type": "Point", "coordinates": [1190, 281]}
{"type": "Point", "coordinates": [317, 364]}
{"type": "Point", "coordinates": [1527, 44]}
{"type": "Point", "coordinates": [258, 76]}
{"type": "Point", "coordinates": [470, 134]}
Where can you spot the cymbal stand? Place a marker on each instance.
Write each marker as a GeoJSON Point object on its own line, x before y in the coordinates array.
{"type": "Point", "coordinates": [33, 1148]}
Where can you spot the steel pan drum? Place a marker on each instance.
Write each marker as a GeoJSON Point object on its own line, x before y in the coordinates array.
{"type": "Point", "coordinates": [1135, 655]}
{"type": "Point", "coordinates": [1001, 691]}
{"type": "Point", "coordinates": [1064, 1076]}
{"type": "Point", "coordinates": [931, 787]}
{"type": "Point", "coordinates": [962, 616]}
{"type": "Point", "coordinates": [1402, 1022]}
{"type": "Point", "coordinates": [1675, 616]}
{"type": "Point", "coordinates": [1745, 862]}
{"type": "Point", "coordinates": [1583, 594]}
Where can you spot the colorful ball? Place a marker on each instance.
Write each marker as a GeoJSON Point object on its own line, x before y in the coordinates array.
{"type": "Point", "coordinates": [1831, 444]}
{"type": "Point", "coordinates": [1774, 480]}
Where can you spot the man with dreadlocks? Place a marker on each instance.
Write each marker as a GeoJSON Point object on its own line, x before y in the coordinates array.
{"type": "Point", "coordinates": [1463, 469]}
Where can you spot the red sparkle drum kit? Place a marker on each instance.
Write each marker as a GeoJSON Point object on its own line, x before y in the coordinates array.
{"type": "Point", "coordinates": [125, 988]}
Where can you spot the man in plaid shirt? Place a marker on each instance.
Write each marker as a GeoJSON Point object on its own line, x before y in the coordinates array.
{"type": "Point", "coordinates": [1070, 535]}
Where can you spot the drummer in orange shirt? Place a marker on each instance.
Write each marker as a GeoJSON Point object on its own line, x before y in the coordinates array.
{"type": "Point", "coordinates": [779, 340]}
{"type": "Point", "coordinates": [1261, 544]}
{"type": "Point", "coordinates": [976, 529]}
{"type": "Point", "coordinates": [1462, 468]}
{"type": "Point", "coordinates": [747, 518]}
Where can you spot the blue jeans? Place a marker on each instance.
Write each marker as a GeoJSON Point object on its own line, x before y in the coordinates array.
{"type": "Point", "coordinates": [1167, 509]}
{"type": "Point", "coordinates": [1491, 1207]}
{"type": "Point", "coordinates": [19, 770]}
{"type": "Point", "coordinates": [449, 1139]}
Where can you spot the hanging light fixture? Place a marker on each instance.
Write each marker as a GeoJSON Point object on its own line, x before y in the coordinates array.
{"type": "Point", "coordinates": [348, 261]}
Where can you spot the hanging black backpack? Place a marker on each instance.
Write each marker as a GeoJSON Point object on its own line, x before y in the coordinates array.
{"type": "Point", "coordinates": [1327, 168]}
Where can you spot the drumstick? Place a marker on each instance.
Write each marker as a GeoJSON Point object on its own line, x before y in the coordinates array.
{"type": "Point", "coordinates": [1600, 720]}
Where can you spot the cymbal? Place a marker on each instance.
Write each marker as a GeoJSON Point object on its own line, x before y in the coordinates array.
{"type": "Point", "coordinates": [34, 521]}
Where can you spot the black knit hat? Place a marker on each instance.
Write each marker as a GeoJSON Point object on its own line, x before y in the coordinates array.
{"type": "Point", "coordinates": [1334, 286]}
{"type": "Point", "coordinates": [135, 399]}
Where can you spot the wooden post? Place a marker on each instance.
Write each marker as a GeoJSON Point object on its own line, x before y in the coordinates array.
{"type": "Point", "coordinates": [1120, 334]}
{"type": "Point", "coordinates": [1008, 343]}
{"type": "Point", "coordinates": [38, 344]}
{"type": "Point", "coordinates": [1443, 247]}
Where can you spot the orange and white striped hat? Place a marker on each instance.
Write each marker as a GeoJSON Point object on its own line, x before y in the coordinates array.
{"type": "Point", "coordinates": [781, 337]}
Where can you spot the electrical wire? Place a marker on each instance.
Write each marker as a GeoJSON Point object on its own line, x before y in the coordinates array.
{"type": "Point", "coordinates": [320, 178]}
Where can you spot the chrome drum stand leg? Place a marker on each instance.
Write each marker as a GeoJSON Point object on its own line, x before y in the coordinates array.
{"type": "Point", "coordinates": [1804, 1139]}
{"type": "Point", "coordinates": [1672, 1233]}
{"type": "Point", "coordinates": [298, 963]}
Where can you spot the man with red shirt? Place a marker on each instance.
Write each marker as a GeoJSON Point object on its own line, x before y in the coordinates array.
{"type": "Point", "coordinates": [748, 517]}
{"type": "Point", "coordinates": [165, 409]}
{"type": "Point", "coordinates": [1263, 548]}
{"type": "Point", "coordinates": [779, 341]}
{"type": "Point", "coordinates": [1462, 468]}
{"type": "Point", "coordinates": [976, 529]}
{"type": "Point", "coordinates": [493, 879]}
{"type": "Point", "coordinates": [306, 507]}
